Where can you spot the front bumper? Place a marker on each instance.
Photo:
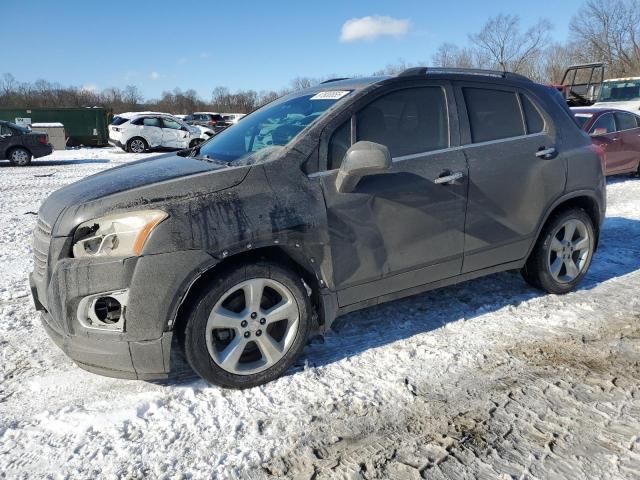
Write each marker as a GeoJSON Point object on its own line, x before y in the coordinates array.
{"type": "Point", "coordinates": [156, 285]}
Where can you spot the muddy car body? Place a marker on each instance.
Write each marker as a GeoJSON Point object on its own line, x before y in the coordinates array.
{"type": "Point", "coordinates": [319, 216]}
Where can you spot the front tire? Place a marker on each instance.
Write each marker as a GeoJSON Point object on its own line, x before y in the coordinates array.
{"type": "Point", "coordinates": [249, 326]}
{"type": "Point", "coordinates": [137, 145]}
{"type": "Point", "coordinates": [563, 253]}
{"type": "Point", "coordinates": [195, 142]}
{"type": "Point", "coordinates": [20, 157]}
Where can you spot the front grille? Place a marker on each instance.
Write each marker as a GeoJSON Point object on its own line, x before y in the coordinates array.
{"type": "Point", "coordinates": [41, 241]}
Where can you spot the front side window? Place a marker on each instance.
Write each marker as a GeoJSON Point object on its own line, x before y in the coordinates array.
{"type": "Point", "coordinates": [603, 125]}
{"type": "Point", "coordinates": [493, 114]}
{"type": "Point", "coordinates": [5, 131]}
{"type": "Point", "coordinates": [168, 123]}
{"type": "Point", "coordinates": [273, 125]}
{"type": "Point", "coordinates": [626, 121]}
{"type": "Point", "coordinates": [409, 121]}
{"type": "Point", "coordinates": [583, 118]}
{"type": "Point", "coordinates": [338, 145]}
{"type": "Point", "coordinates": [151, 122]}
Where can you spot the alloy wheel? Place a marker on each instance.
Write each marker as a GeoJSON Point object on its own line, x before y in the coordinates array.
{"type": "Point", "coordinates": [137, 146]}
{"type": "Point", "coordinates": [20, 157]}
{"type": "Point", "coordinates": [569, 251]}
{"type": "Point", "coordinates": [252, 326]}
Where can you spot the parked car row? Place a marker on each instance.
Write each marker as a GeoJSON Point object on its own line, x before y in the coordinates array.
{"type": "Point", "coordinates": [138, 132]}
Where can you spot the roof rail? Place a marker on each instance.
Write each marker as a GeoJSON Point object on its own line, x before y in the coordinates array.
{"type": "Point", "coordinates": [419, 71]}
{"type": "Point", "coordinates": [334, 80]}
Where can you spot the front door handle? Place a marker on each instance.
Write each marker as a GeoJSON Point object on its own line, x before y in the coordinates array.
{"type": "Point", "coordinates": [448, 178]}
{"type": "Point", "coordinates": [546, 153]}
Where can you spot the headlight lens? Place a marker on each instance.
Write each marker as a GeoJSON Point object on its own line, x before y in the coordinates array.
{"type": "Point", "coordinates": [121, 235]}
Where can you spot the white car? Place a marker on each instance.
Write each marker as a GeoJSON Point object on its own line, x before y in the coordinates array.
{"type": "Point", "coordinates": [232, 117]}
{"type": "Point", "coordinates": [137, 132]}
{"type": "Point", "coordinates": [622, 93]}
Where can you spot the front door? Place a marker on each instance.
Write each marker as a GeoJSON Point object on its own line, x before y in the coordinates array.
{"type": "Point", "coordinates": [173, 136]}
{"type": "Point", "coordinates": [402, 228]}
{"type": "Point", "coordinates": [5, 138]}
{"type": "Point", "coordinates": [515, 172]}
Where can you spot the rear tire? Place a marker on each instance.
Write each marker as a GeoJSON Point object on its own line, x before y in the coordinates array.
{"type": "Point", "coordinates": [562, 254]}
{"type": "Point", "coordinates": [249, 326]}
{"type": "Point", "coordinates": [19, 157]}
{"type": "Point", "coordinates": [137, 145]}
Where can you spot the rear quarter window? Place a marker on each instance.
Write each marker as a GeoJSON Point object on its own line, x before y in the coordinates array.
{"type": "Point", "coordinates": [119, 121]}
{"type": "Point", "coordinates": [493, 114]}
{"type": "Point", "coordinates": [535, 122]}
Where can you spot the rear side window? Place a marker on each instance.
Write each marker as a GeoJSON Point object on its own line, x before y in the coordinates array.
{"type": "Point", "coordinates": [493, 114]}
{"type": "Point", "coordinates": [410, 121]}
{"type": "Point", "coordinates": [5, 130]}
{"type": "Point", "coordinates": [338, 145]}
{"type": "Point", "coordinates": [603, 125]}
{"type": "Point", "coordinates": [535, 123]}
{"type": "Point", "coordinates": [626, 121]}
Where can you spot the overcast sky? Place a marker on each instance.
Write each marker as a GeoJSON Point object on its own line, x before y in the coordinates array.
{"type": "Point", "coordinates": [160, 45]}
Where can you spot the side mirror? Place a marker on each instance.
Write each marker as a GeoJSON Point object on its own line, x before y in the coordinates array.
{"type": "Point", "coordinates": [599, 131]}
{"type": "Point", "coordinates": [363, 158]}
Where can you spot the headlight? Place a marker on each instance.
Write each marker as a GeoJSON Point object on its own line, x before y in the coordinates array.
{"type": "Point", "coordinates": [121, 235]}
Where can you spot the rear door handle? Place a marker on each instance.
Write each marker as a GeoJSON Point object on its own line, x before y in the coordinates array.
{"type": "Point", "coordinates": [546, 152]}
{"type": "Point", "coordinates": [448, 178]}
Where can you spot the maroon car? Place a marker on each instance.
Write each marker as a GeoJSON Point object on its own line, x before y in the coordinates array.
{"type": "Point", "coordinates": [617, 133]}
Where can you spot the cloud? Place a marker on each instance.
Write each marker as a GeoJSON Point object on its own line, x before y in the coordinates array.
{"type": "Point", "coordinates": [154, 76]}
{"type": "Point", "coordinates": [370, 27]}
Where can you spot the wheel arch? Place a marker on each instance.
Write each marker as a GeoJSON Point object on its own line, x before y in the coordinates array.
{"type": "Point", "coordinates": [281, 255]}
{"type": "Point", "coordinates": [10, 149]}
{"type": "Point", "coordinates": [585, 200]}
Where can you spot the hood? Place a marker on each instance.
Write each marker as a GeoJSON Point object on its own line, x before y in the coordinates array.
{"type": "Point", "coordinates": [146, 182]}
{"type": "Point", "coordinates": [631, 105]}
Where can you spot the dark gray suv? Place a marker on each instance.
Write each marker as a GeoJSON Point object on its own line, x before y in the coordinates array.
{"type": "Point", "coordinates": [325, 201]}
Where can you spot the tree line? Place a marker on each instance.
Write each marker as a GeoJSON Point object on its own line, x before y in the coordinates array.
{"type": "Point", "coordinates": [602, 30]}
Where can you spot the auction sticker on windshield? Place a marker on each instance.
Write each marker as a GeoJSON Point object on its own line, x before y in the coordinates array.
{"type": "Point", "coordinates": [330, 95]}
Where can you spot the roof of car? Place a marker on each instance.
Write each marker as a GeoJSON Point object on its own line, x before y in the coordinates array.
{"type": "Point", "coordinates": [621, 79]}
{"type": "Point", "coordinates": [417, 73]}
{"type": "Point", "coordinates": [596, 110]}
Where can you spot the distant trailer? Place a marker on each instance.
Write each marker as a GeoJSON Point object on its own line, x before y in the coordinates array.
{"type": "Point", "coordinates": [83, 126]}
{"type": "Point", "coordinates": [55, 130]}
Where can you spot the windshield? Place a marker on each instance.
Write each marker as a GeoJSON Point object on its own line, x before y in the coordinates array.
{"type": "Point", "coordinates": [18, 127]}
{"type": "Point", "coordinates": [275, 124]}
{"type": "Point", "coordinates": [620, 91]}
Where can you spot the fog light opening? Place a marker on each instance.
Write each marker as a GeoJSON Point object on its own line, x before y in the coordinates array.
{"type": "Point", "coordinates": [108, 310]}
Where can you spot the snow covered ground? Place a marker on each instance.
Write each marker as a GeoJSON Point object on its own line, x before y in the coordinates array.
{"type": "Point", "coordinates": [488, 379]}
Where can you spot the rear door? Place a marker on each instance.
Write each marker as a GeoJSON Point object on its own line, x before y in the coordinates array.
{"type": "Point", "coordinates": [511, 180]}
{"type": "Point", "coordinates": [629, 133]}
{"type": "Point", "coordinates": [398, 229]}
{"type": "Point", "coordinates": [603, 133]}
{"type": "Point", "coordinates": [151, 130]}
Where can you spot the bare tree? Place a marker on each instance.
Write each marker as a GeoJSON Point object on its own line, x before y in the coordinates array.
{"type": "Point", "coordinates": [450, 55]}
{"type": "Point", "coordinates": [609, 30]}
{"type": "Point", "coordinates": [507, 47]}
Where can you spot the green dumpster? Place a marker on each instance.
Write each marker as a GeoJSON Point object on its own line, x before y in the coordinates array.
{"type": "Point", "coordinates": [83, 126]}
